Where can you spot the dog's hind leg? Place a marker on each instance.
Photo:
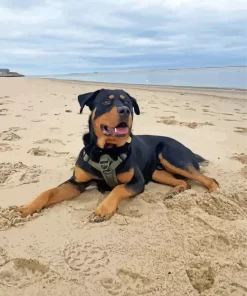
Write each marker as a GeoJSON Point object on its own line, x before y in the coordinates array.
{"type": "Point", "coordinates": [164, 177]}
{"type": "Point", "coordinates": [190, 172]}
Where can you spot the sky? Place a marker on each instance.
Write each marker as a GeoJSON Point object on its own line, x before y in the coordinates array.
{"type": "Point", "coordinates": [69, 36]}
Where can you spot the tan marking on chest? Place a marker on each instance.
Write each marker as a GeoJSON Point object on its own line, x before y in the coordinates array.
{"type": "Point", "coordinates": [82, 176]}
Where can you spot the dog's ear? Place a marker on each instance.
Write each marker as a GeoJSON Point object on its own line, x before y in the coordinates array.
{"type": "Point", "coordinates": [86, 139]}
{"type": "Point", "coordinates": [87, 99]}
{"type": "Point", "coordinates": [135, 105]}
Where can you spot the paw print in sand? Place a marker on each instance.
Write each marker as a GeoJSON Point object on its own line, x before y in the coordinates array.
{"type": "Point", "coordinates": [127, 283]}
{"type": "Point", "coordinates": [88, 258]}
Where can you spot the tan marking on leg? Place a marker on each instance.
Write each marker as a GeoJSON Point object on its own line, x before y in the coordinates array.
{"type": "Point", "coordinates": [164, 177]}
{"type": "Point", "coordinates": [126, 176]}
{"type": "Point", "coordinates": [50, 197]}
{"type": "Point", "coordinates": [109, 206]}
{"type": "Point", "coordinates": [192, 173]}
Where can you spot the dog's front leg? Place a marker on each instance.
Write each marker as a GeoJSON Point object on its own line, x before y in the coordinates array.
{"type": "Point", "coordinates": [49, 197]}
{"type": "Point", "coordinates": [109, 205]}
{"type": "Point", "coordinates": [66, 191]}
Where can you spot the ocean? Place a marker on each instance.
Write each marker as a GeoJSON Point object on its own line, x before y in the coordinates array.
{"type": "Point", "coordinates": [226, 77]}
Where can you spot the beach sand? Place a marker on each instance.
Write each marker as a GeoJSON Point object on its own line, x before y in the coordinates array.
{"type": "Point", "coordinates": [193, 244]}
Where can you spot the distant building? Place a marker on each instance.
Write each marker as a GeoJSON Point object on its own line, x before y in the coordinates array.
{"type": "Point", "coordinates": [4, 71]}
{"type": "Point", "coordinates": [8, 73]}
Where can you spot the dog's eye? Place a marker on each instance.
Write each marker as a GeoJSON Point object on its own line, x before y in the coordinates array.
{"type": "Point", "coordinates": [106, 102]}
{"type": "Point", "coordinates": [126, 102]}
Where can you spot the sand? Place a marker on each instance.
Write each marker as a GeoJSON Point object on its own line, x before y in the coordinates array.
{"type": "Point", "coordinates": [193, 244]}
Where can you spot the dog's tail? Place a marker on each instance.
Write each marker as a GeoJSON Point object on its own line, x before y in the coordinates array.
{"type": "Point", "coordinates": [200, 160]}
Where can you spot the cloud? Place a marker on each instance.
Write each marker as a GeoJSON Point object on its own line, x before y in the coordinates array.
{"type": "Point", "coordinates": [43, 37]}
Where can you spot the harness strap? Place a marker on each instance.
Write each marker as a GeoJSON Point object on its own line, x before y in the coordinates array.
{"type": "Point", "coordinates": [107, 166]}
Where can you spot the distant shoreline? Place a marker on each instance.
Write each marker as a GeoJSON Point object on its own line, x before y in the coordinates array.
{"type": "Point", "coordinates": [11, 75]}
{"type": "Point", "coordinates": [137, 71]}
{"type": "Point", "coordinates": [149, 86]}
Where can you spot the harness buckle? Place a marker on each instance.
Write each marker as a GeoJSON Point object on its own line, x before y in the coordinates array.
{"type": "Point", "coordinates": [104, 164]}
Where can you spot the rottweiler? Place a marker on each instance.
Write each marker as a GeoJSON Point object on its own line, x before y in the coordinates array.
{"type": "Point", "coordinates": [115, 160]}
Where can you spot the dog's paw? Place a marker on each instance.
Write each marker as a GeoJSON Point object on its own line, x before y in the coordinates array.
{"type": "Point", "coordinates": [176, 190]}
{"type": "Point", "coordinates": [25, 211]}
{"type": "Point", "coordinates": [214, 186]}
{"type": "Point", "coordinates": [104, 211]}
{"type": "Point", "coordinates": [93, 218]}
{"type": "Point", "coordinates": [171, 194]}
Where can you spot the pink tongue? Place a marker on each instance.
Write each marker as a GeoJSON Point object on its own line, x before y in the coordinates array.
{"type": "Point", "coordinates": [121, 130]}
{"type": "Point", "coordinates": [118, 130]}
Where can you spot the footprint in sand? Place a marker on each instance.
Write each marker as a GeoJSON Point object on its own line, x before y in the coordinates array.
{"type": "Point", "coordinates": [227, 119]}
{"type": "Point", "coordinates": [242, 157]}
{"type": "Point", "coordinates": [3, 255]}
{"type": "Point", "coordinates": [127, 282]}
{"type": "Point", "coordinates": [3, 112]}
{"type": "Point", "coordinates": [18, 174]}
{"type": "Point", "coordinates": [9, 135]}
{"type": "Point", "coordinates": [152, 197]}
{"type": "Point", "coordinates": [46, 152]}
{"type": "Point", "coordinates": [87, 258]}
{"type": "Point", "coordinates": [7, 168]}
{"type": "Point", "coordinates": [243, 113]}
{"type": "Point", "coordinates": [244, 172]}
{"type": "Point", "coordinates": [170, 111]}
{"type": "Point", "coordinates": [71, 162]}
{"type": "Point", "coordinates": [6, 147]}
{"type": "Point", "coordinates": [172, 121]}
{"type": "Point", "coordinates": [130, 213]}
{"type": "Point", "coordinates": [241, 130]}
{"type": "Point", "coordinates": [49, 141]}
{"type": "Point", "coordinates": [16, 129]}
{"type": "Point", "coordinates": [54, 128]}
{"type": "Point", "coordinates": [201, 277]}
{"type": "Point", "coordinates": [37, 120]}
{"type": "Point", "coordinates": [5, 102]}
{"type": "Point", "coordinates": [21, 272]}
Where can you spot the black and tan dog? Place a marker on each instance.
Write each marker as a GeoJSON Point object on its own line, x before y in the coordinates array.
{"type": "Point", "coordinates": [116, 160]}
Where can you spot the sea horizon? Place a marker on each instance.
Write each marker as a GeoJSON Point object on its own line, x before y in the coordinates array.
{"type": "Point", "coordinates": [216, 77]}
{"type": "Point", "coordinates": [139, 70]}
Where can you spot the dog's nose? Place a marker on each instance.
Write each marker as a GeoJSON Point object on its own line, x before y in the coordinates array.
{"type": "Point", "coordinates": [123, 111]}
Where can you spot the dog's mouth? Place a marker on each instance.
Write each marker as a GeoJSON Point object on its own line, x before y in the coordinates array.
{"type": "Point", "coordinates": [121, 130]}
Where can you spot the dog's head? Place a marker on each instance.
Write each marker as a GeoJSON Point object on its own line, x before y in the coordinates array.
{"type": "Point", "coordinates": [111, 115]}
